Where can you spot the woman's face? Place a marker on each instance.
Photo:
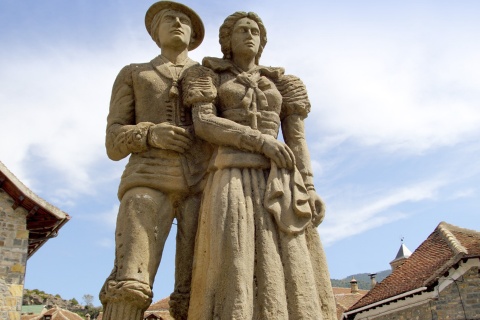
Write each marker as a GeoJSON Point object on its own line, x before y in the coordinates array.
{"type": "Point", "coordinates": [245, 38]}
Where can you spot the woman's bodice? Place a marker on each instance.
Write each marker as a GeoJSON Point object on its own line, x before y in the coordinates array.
{"type": "Point", "coordinates": [250, 99]}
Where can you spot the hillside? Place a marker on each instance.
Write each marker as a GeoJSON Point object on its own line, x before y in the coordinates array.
{"type": "Point", "coordinates": [38, 297]}
{"type": "Point", "coordinates": [363, 280]}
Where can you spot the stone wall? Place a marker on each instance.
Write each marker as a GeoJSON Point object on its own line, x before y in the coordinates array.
{"type": "Point", "coordinates": [13, 257]}
{"type": "Point", "coordinates": [460, 300]}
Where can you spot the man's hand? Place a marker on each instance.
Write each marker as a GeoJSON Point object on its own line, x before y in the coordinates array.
{"type": "Point", "coordinates": [279, 152]}
{"type": "Point", "coordinates": [169, 137]}
{"type": "Point", "coordinates": [318, 207]}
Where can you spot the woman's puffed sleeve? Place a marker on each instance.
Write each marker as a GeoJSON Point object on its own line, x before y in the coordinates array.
{"type": "Point", "coordinates": [123, 135]}
{"type": "Point", "coordinates": [295, 108]}
{"type": "Point", "coordinates": [199, 86]}
{"type": "Point", "coordinates": [294, 95]}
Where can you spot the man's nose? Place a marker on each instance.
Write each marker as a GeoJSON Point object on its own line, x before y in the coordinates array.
{"type": "Point", "coordinates": [177, 21]}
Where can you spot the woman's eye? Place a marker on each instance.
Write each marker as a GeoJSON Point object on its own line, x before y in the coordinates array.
{"type": "Point", "coordinates": [255, 32]}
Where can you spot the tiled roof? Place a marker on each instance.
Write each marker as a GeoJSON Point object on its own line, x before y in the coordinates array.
{"type": "Point", "coordinates": [43, 219]}
{"type": "Point", "coordinates": [164, 315]}
{"type": "Point", "coordinates": [56, 313]}
{"type": "Point", "coordinates": [159, 305]}
{"type": "Point", "coordinates": [344, 299]}
{"type": "Point", "coordinates": [439, 252]}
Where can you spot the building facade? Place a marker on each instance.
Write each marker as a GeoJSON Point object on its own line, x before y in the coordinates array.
{"type": "Point", "coordinates": [26, 223]}
{"type": "Point", "coordinates": [440, 280]}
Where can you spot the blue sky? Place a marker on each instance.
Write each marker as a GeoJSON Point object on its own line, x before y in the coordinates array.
{"type": "Point", "coordinates": [393, 133]}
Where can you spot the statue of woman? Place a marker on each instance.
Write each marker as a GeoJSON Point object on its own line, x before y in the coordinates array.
{"type": "Point", "coordinates": [257, 225]}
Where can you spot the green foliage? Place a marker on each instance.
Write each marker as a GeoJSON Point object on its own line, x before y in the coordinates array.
{"type": "Point", "coordinates": [74, 302]}
{"type": "Point", "coordinates": [363, 280]}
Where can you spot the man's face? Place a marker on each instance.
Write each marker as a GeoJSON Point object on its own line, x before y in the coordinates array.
{"type": "Point", "coordinates": [175, 29]}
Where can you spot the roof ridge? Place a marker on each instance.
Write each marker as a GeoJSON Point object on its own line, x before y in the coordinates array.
{"type": "Point", "coordinates": [450, 238]}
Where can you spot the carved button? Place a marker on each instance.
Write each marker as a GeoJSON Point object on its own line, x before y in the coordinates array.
{"type": "Point", "coordinates": [182, 119]}
{"type": "Point", "coordinates": [138, 136]}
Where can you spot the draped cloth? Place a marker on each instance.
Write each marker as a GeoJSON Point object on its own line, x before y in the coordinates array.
{"type": "Point", "coordinates": [286, 198]}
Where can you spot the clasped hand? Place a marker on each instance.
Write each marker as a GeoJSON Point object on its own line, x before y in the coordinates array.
{"type": "Point", "coordinates": [279, 152]}
{"type": "Point", "coordinates": [318, 207]}
{"type": "Point", "coordinates": [169, 137]}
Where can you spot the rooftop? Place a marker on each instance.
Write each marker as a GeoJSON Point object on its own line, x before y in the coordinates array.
{"type": "Point", "coordinates": [43, 219]}
{"type": "Point", "coordinates": [444, 248]}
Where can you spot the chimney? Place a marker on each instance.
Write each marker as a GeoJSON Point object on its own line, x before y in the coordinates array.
{"type": "Point", "coordinates": [354, 285]}
{"type": "Point", "coordinates": [373, 281]}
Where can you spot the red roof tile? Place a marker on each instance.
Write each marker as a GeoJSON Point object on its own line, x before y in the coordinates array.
{"type": "Point", "coordinates": [439, 252]}
{"type": "Point", "coordinates": [56, 313]}
{"type": "Point", "coordinates": [160, 305]}
{"type": "Point", "coordinates": [344, 299]}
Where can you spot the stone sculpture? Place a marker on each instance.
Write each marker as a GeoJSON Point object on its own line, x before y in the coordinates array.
{"type": "Point", "coordinates": [257, 252]}
{"type": "Point", "coordinates": [164, 176]}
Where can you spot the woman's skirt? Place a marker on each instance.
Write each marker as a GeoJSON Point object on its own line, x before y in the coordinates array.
{"type": "Point", "coordinates": [245, 267]}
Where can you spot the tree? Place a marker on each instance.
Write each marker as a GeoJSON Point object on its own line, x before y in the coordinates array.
{"type": "Point", "coordinates": [88, 299]}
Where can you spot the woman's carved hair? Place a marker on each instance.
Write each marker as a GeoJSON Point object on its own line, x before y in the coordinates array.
{"type": "Point", "coordinates": [226, 30]}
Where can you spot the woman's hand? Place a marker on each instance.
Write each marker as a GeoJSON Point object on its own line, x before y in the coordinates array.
{"type": "Point", "coordinates": [279, 152]}
{"type": "Point", "coordinates": [170, 137]}
{"type": "Point", "coordinates": [318, 207]}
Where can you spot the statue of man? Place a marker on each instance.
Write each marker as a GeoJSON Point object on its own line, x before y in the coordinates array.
{"type": "Point", "coordinates": [164, 176]}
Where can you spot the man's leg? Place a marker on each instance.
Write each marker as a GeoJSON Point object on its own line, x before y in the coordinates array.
{"type": "Point", "coordinates": [143, 223]}
{"type": "Point", "coordinates": [187, 222]}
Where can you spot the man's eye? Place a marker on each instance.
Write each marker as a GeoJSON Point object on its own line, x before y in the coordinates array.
{"type": "Point", "coordinates": [255, 32]}
{"type": "Point", "coordinates": [185, 21]}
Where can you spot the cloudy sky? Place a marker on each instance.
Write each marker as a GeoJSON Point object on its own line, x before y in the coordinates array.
{"type": "Point", "coordinates": [393, 133]}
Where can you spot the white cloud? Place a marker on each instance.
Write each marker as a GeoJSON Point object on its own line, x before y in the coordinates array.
{"type": "Point", "coordinates": [463, 193]}
{"type": "Point", "coordinates": [411, 92]}
{"type": "Point", "coordinates": [368, 210]}
{"type": "Point", "coordinates": [54, 107]}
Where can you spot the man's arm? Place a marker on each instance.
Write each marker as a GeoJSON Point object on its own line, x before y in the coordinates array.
{"type": "Point", "coordinates": [124, 136]}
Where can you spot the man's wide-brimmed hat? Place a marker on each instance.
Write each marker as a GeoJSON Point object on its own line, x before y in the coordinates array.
{"type": "Point", "coordinates": [197, 24]}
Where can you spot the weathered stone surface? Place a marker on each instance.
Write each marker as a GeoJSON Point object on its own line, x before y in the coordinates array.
{"type": "Point", "coordinates": [164, 177]}
{"type": "Point", "coordinates": [257, 254]}
{"type": "Point", "coordinates": [13, 249]}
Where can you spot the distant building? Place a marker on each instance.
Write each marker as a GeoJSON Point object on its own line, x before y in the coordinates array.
{"type": "Point", "coordinates": [402, 255]}
{"type": "Point", "coordinates": [54, 313]}
{"type": "Point", "coordinates": [27, 222]}
{"type": "Point", "coordinates": [347, 297]}
{"type": "Point", "coordinates": [440, 280]}
{"type": "Point", "coordinates": [34, 309]}
{"type": "Point", "coordinates": [158, 311]}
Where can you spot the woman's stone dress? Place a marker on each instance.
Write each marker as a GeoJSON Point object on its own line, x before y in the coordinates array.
{"type": "Point", "coordinates": [251, 256]}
